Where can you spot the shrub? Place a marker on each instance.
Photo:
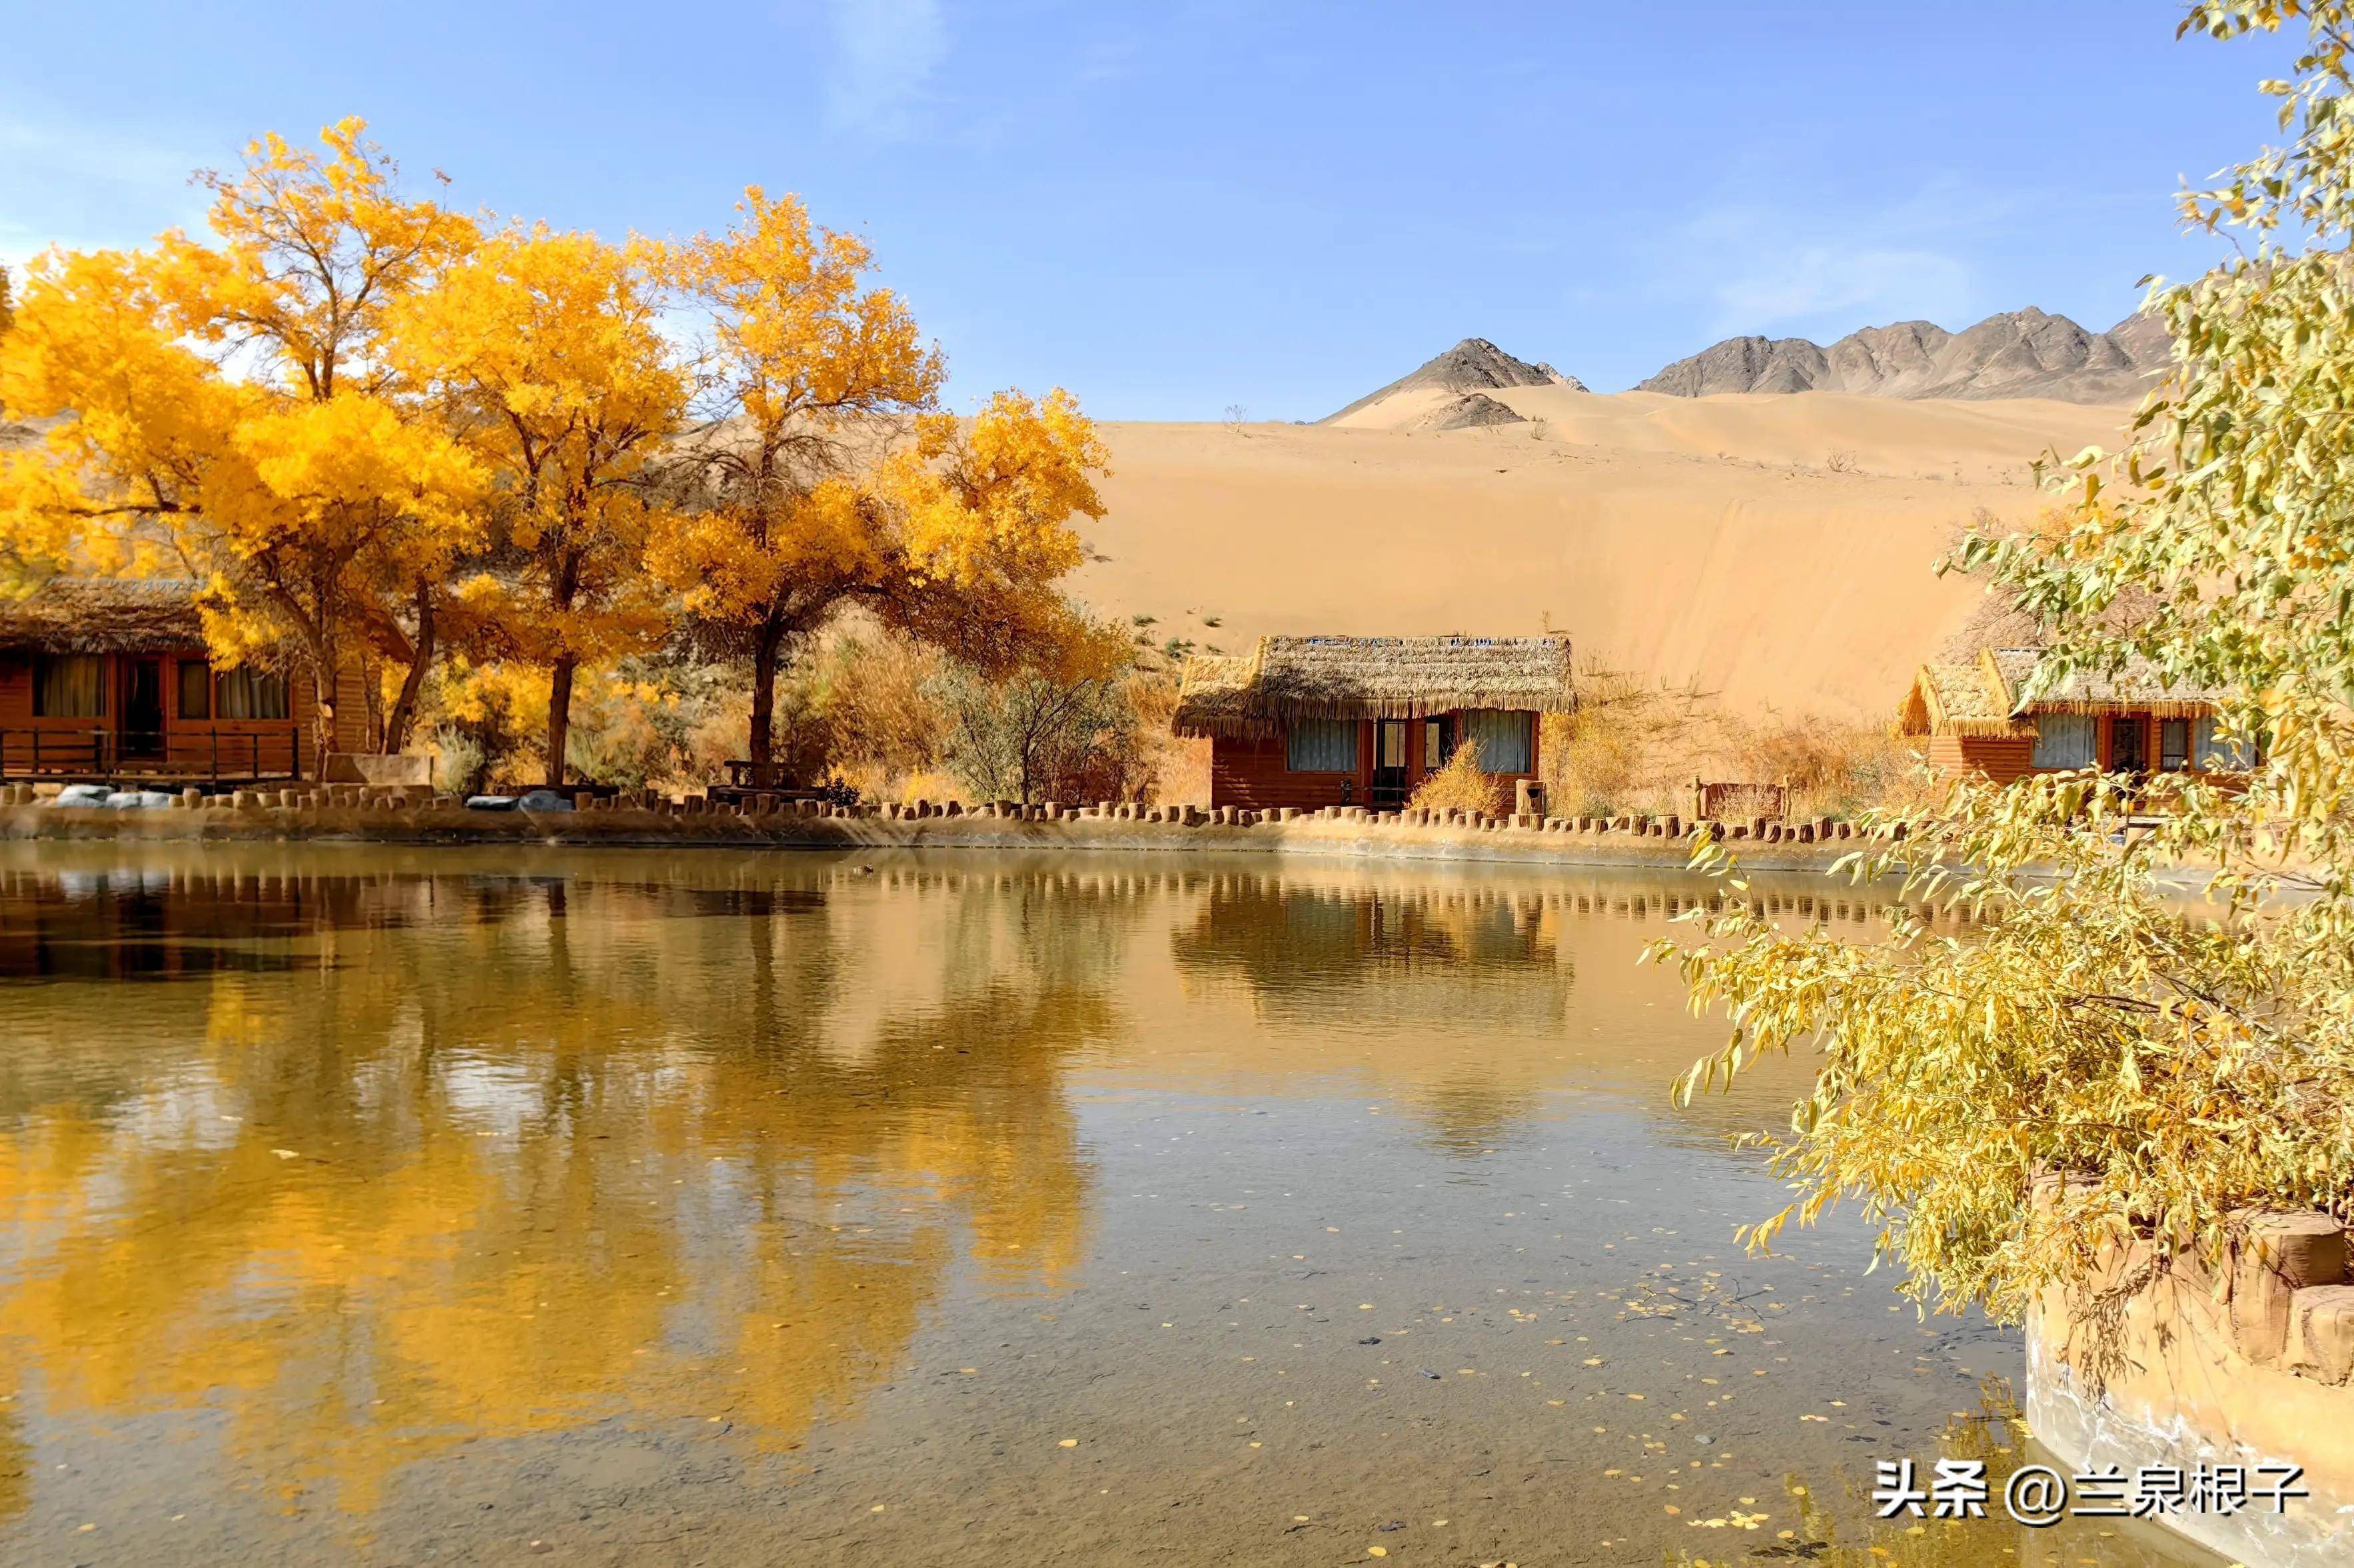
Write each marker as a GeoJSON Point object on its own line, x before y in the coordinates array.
{"type": "Point", "coordinates": [1460, 786]}
{"type": "Point", "coordinates": [1062, 728]}
{"type": "Point", "coordinates": [2178, 1067]}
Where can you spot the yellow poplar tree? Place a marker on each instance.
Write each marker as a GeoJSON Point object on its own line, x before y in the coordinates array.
{"type": "Point", "coordinates": [228, 403]}
{"type": "Point", "coordinates": [543, 348]}
{"type": "Point", "coordinates": [804, 364]}
{"type": "Point", "coordinates": [982, 512]}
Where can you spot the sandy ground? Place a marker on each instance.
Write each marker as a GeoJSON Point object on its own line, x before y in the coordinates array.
{"type": "Point", "coordinates": [1777, 550]}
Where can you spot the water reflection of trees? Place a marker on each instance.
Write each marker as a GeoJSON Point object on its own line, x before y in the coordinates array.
{"type": "Point", "coordinates": [492, 1156]}
{"type": "Point", "coordinates": [390, 1159]}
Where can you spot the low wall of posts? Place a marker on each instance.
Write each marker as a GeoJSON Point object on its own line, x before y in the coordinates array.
{"type": "Point", "coordinates": [2227, 1411]}
{"type": "Point", "coordinates": [413, 814]}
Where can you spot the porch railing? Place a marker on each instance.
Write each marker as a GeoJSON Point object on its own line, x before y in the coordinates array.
{"type": "Point", "coordinates": [206, 755]}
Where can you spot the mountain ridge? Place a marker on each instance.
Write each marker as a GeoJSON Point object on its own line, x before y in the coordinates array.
{"type": "Point", "coordinates": [1473, 366]}
{"type": "Point", "coordinates": [2026, 353]}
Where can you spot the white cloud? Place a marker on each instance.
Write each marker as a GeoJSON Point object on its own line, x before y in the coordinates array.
{"type": "Point", "coordinates": [1783, 284]}
{"type": "Point", "coordinates": [1781, 267]}
{"type": "Point", "coordinates": [884, 52]}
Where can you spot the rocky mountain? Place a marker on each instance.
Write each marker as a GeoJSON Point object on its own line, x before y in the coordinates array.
{"type": "Point", "coordinates": [1464, 412]}
{"type": "Point", "coordinates": [1473, 366]}
{"type": "Point", "coordinates": [2018, 353]}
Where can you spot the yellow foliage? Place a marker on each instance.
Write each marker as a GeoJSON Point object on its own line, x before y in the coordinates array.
{"type": "Point", "coordinates": [931, 785]}
{"type": "Point", "coordinates": [989, 502]}
{"type": "Point", "coordinates": [799, 349]}
{"type": "Point", "coordinates": [1460, 786]}
{"type": "Point", "coordinates": [376, 431]}
{"type": "Point", "coordinates": [545, 347]}
{"type": "Point", "coordinates": [228, 402]}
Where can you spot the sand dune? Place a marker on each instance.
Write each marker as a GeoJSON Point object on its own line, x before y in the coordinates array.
{"type": "Point", "coordinates": [1775, 549]}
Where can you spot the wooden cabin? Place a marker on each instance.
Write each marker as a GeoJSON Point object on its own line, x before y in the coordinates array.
{"type": "Point", "coordinates": [108, 681]}
{"type": "Point", "coordinates": [1339, 721]}
{"type": "Point", "coordinates": [1976, 716]}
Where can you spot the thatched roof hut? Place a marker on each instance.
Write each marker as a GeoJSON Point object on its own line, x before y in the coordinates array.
{"type": "Point", "coordinates": [1980, 687]}
{"type": "Point", "coordinates": [104, 614]}
{"type": "Point", "coordinates": [1290, 678]}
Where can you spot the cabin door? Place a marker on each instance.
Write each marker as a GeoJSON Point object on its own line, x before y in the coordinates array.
{"type": "Point", "coordinates": [142, 709]}
{"type": "Point", "coordinates": [1390, 787]}
{"type": "Point", "coordinates": [2129, 746]}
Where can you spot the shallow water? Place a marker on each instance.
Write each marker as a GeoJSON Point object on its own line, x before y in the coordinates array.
{"type": "Point", "coordinates": [439, 1206]}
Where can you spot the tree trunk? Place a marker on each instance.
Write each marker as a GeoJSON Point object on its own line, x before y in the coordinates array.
{"type": "Point", "coordinates": [323, 705]}
{"type": "Point", "coordinates": [372, 691]}
{"type": "Point", "coordinates": [559, 717]}
{"type": "Point", "coordinates": [771, 638]}
{"type": "Point", "coordinates": [403, 717]}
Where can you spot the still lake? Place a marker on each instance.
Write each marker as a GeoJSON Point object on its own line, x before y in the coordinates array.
{"type": "Point", "coordinates": [386, 1205]}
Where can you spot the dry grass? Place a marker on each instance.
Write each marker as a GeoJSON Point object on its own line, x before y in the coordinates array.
{"type": "Point", "coordinates": [863, 708]}
{"type": "Point", "coordinates": [1637, 746]}
{"type": "Point", "coordinates": [1460, 786]}
{"type": "Point", "coordinates": [937, 788]}
{"type": "Point", "coordinates": [1179, 768]}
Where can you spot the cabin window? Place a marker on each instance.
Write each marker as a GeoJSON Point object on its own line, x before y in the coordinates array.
{"type": "Point", "coordinates": [195, 689]}
{"type": "Point", "coordinates": [250, 693]}
{"type": "Point", "coordinates": [2173, 745]}
{"type": "Point", "coordinates": [1503, 738]}
{"type": "Point", "coordinates": [2064, 740]}
{"type": "Point", "coordinates": [1323, 746]}
{"type": "Point", "coordinates": [69, 685]}
{"type": "Point", "coordinates": [2217, 755]}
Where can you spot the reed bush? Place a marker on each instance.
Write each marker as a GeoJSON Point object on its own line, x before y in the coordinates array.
{"type": "Point", "coordinates": [1460, 786]}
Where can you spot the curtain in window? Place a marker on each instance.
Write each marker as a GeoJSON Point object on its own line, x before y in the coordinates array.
{"type": "Point", "coordinates": [250, 693]}
{"type": "Point", "coordinates": [2064, 740]}
{"type": "Point", "coordinates": [1323, 746]}
{"type": "Point", "coordinates": [1503, 738]}
{"type": "Point", "coordinates": [69, 685]}
{"type": "Point", "coordinates": [195, 689]}
{"type": "Point", "coordinates": [2214, 754]}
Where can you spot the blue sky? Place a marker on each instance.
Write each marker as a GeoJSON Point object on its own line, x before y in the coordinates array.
{"type": "Point", "coordinates": [1173, 207]}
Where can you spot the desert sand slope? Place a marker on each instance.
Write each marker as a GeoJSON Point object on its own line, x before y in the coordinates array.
{"type": "Point", "coordinates": [1774, 549]}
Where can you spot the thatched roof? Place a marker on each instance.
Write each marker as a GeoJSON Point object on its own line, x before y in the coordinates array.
{"type": "Point", "coordinates": [104, 614]}
{"type": "Point", "coordinates": [2136, 684]}
{"type": "Point", "coordinates": [1287, 678]}
{"type": "Point", "coordinates": [1980, 687]}
{"type": "Point", "coordinates": [1959, 699]}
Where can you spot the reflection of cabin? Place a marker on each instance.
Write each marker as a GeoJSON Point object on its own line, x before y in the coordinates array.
{"type": "Point", "coordinates": [1976, 717]}
{"type": "Point", "coordinates": [109, 679]}
{"type": "Point", "coordinates": [1331, 721]}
